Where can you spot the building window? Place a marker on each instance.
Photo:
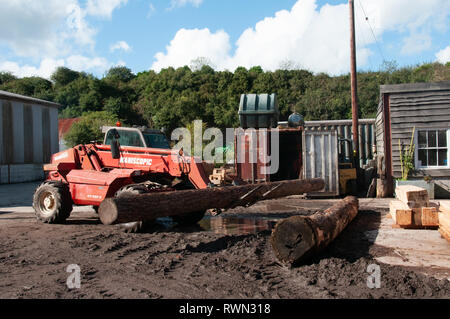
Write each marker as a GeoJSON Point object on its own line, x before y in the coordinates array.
{"type": "Point", "coordinates": [432, 148]}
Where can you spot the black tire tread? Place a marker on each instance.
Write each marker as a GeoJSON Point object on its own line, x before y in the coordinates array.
{"type": "Point", "coordinates": [133, 227]}
{"type": "Point", "coordinates": [64, 202]}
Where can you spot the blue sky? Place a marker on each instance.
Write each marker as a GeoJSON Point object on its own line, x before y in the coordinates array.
{"type": "Point", "coordinates": [93, 35]}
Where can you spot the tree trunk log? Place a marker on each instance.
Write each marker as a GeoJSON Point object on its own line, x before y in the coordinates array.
{"type": "Point", "coordinates": [176, 203]}
{"type": "Point", "coordinates": [298, 238]}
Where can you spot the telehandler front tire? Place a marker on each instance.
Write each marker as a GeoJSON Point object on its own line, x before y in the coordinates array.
{"type": "Point", "coordinates": [52, 202]}
{"type": "Point", "coordinates": [133, 227]}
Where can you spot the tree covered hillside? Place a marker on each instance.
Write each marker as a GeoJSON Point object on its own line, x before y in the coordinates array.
{"type": "Point", "coordinates": [175, 97]}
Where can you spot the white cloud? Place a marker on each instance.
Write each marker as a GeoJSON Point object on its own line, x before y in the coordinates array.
{"type": "Point", "coordinates": [82, 63]}
{"type": "Point", "coordinates": [51, 30]}
{"type": "Point", "coordinates": [416, 43]}
{"type": "Point", "coordinates": [120, 45]}
{"type": "Point", "coordinates": [30, 28]}
{"type": "Point", "coordinates": [103, 8]}
{"type": "Point", "coordinates": [151, 10]}
{"type": "Point", "coordinates": [443, 56]}
{"type": "Point", "coordinates": [45, 70]}
{"type": "Point", "coordinates": [182, 3]}
{"type": "Point", "coordinates": [188, 45]}
{"type": "Point", "coordinates": [48, 66]}
{"type": "Point", "coordinates": [311, 37]}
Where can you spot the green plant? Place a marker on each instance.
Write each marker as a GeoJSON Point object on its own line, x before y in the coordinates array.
{"type": "Point", "coordinates": [88, 128]}
{"type": "Point", "coordinates": [407, 157]}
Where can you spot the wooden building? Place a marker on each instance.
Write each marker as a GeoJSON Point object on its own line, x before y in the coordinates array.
{"type": "Point", "coordinates": [425, 109]}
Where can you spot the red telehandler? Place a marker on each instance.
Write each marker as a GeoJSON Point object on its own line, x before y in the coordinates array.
{"type": "Point", "coordinates": [130, 161]}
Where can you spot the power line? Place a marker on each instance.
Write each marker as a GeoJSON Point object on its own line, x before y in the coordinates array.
{"type": "Point", "coordinates": [373, 33]}
{"type": "Point", "coordinates": [365, 42]}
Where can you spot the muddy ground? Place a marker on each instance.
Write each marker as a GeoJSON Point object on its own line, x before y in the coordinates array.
{"type": "Point", "coordinates": [173, 262]}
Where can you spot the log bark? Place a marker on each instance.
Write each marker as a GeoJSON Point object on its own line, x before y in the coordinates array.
{"type": "Point", "coordinates": [176, 203]}
{"type": "Point", "coordinates": [298, 238]}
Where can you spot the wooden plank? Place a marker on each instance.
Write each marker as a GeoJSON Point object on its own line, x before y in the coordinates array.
{"type": "Point", "coordinates": [421, 108]}
{"type": "Point", "coordinates": [418, 94]}
{"type": "Point", "coordinates": [444, 233]}
{"type": "Point", "coordinates": [421, 119]}
{"type": "Point", "coordinates": [430, 216]}
{"type": "Point", "coordinates": [416, 217]}
{"type": "Point", "coordinates": [444, 206]}
{"type": "Point", "coordinates": [413, 196]}
{"type": "Point", "coordinates": [400, 213]}
{"type": "Point", "coordinates": [431, 103]}
{"type": "Point", "coordinates": [444, 219]}
{"type": "Point", "coordinates": [423, 122]}
{"type": "Point", "coordinates": [413, 99]}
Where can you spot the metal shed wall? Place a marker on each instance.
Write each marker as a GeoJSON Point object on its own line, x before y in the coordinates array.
{"type": "Point", "coordinates": [27, 138]}
{"type": "Point", "coordinates": [344, 130]}
{"type": "Point", "coordinates": [320, 159]}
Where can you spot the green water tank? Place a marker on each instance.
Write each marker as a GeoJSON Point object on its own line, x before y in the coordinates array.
{"type": "Point", "coordinates": [258, 111]}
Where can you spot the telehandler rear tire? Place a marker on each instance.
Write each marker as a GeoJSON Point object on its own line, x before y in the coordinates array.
{"type": "Point", "coordinates": [52, 202]}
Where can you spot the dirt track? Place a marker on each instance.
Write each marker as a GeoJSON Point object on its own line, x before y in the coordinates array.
{"type": "Point", "coordinates": [171, 262]}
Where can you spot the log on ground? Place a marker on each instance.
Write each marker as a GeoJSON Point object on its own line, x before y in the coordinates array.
{"type": "Point", "coordinates": [298, 238]}
{"type": "Point", "coordinates": [176, 203]}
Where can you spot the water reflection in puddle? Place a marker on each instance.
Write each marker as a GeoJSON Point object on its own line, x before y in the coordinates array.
{"type": "Point", "coordinates": [237, 225]}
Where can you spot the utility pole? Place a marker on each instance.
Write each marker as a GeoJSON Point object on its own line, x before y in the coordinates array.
{"type": "Point", "coordinates": [355, 125]}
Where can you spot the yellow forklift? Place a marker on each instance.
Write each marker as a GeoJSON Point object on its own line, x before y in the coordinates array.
{"type": "Point", "coordinates": [347, 169]}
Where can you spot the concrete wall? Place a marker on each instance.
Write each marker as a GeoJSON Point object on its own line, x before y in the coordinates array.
{"type": "Point", "coordinates": [28, 138]}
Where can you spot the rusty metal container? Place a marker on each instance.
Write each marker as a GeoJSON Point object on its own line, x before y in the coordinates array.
{"type": "Point", "coordinates": [254, 166]}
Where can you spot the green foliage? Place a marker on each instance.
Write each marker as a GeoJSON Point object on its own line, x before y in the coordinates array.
{"type": "Point", "coordinates": [88, 128]}
{"type": "Point", "coordinates": [30, 86]}
{"type": "Point", "coordinates": [63, 76]}
{"type": "Point", "coordinates": [175, 97]}
{"type": "Point", "coordinates": [120, 73]}
{"type": "Point", "coordinates": [6, 77]}
{"type": "Point", "coordinates": [407, 157]}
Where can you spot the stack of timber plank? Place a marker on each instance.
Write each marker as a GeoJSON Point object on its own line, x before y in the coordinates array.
{"type": "Point", "coordinates": [413, 209]}
{"type": "Point", "coordinates": [444, 219]}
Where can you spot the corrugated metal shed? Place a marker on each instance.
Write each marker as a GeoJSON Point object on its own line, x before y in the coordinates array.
{"type": "Point", "coordinates": [28, 136]}
{"type": "Point", "coordinates": [344, 130]}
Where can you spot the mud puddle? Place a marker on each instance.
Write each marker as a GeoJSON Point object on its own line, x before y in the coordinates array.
{"type": "Point", "coordinates": [237, 225]}
{"type": "Point", "coordinates": [225, 225]}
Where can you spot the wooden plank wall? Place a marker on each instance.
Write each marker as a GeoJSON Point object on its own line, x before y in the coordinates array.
{"type": "Point", "coordinates": [426, 109]}
{"type": "Point", "coordinates": [379, 131]}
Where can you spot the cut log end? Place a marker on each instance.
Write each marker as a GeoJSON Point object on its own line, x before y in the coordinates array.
{"type": "Point", "coordinates": [108, 212]}
{"type": "Point", "coordinates": [293, 239]}
{"type": "Point", "coordinates": [297, 238]}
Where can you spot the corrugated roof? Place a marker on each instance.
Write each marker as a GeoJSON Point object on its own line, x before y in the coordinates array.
{"type": "Point", "coordinates": [64, 126]}
{"type": "Point", "coordinates": [13, 96]}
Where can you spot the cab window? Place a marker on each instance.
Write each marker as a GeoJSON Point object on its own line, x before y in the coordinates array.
{"type": "Point", "coordinates": [127, 138]}
{"type": "Point", "coordinates": [156, 140]}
